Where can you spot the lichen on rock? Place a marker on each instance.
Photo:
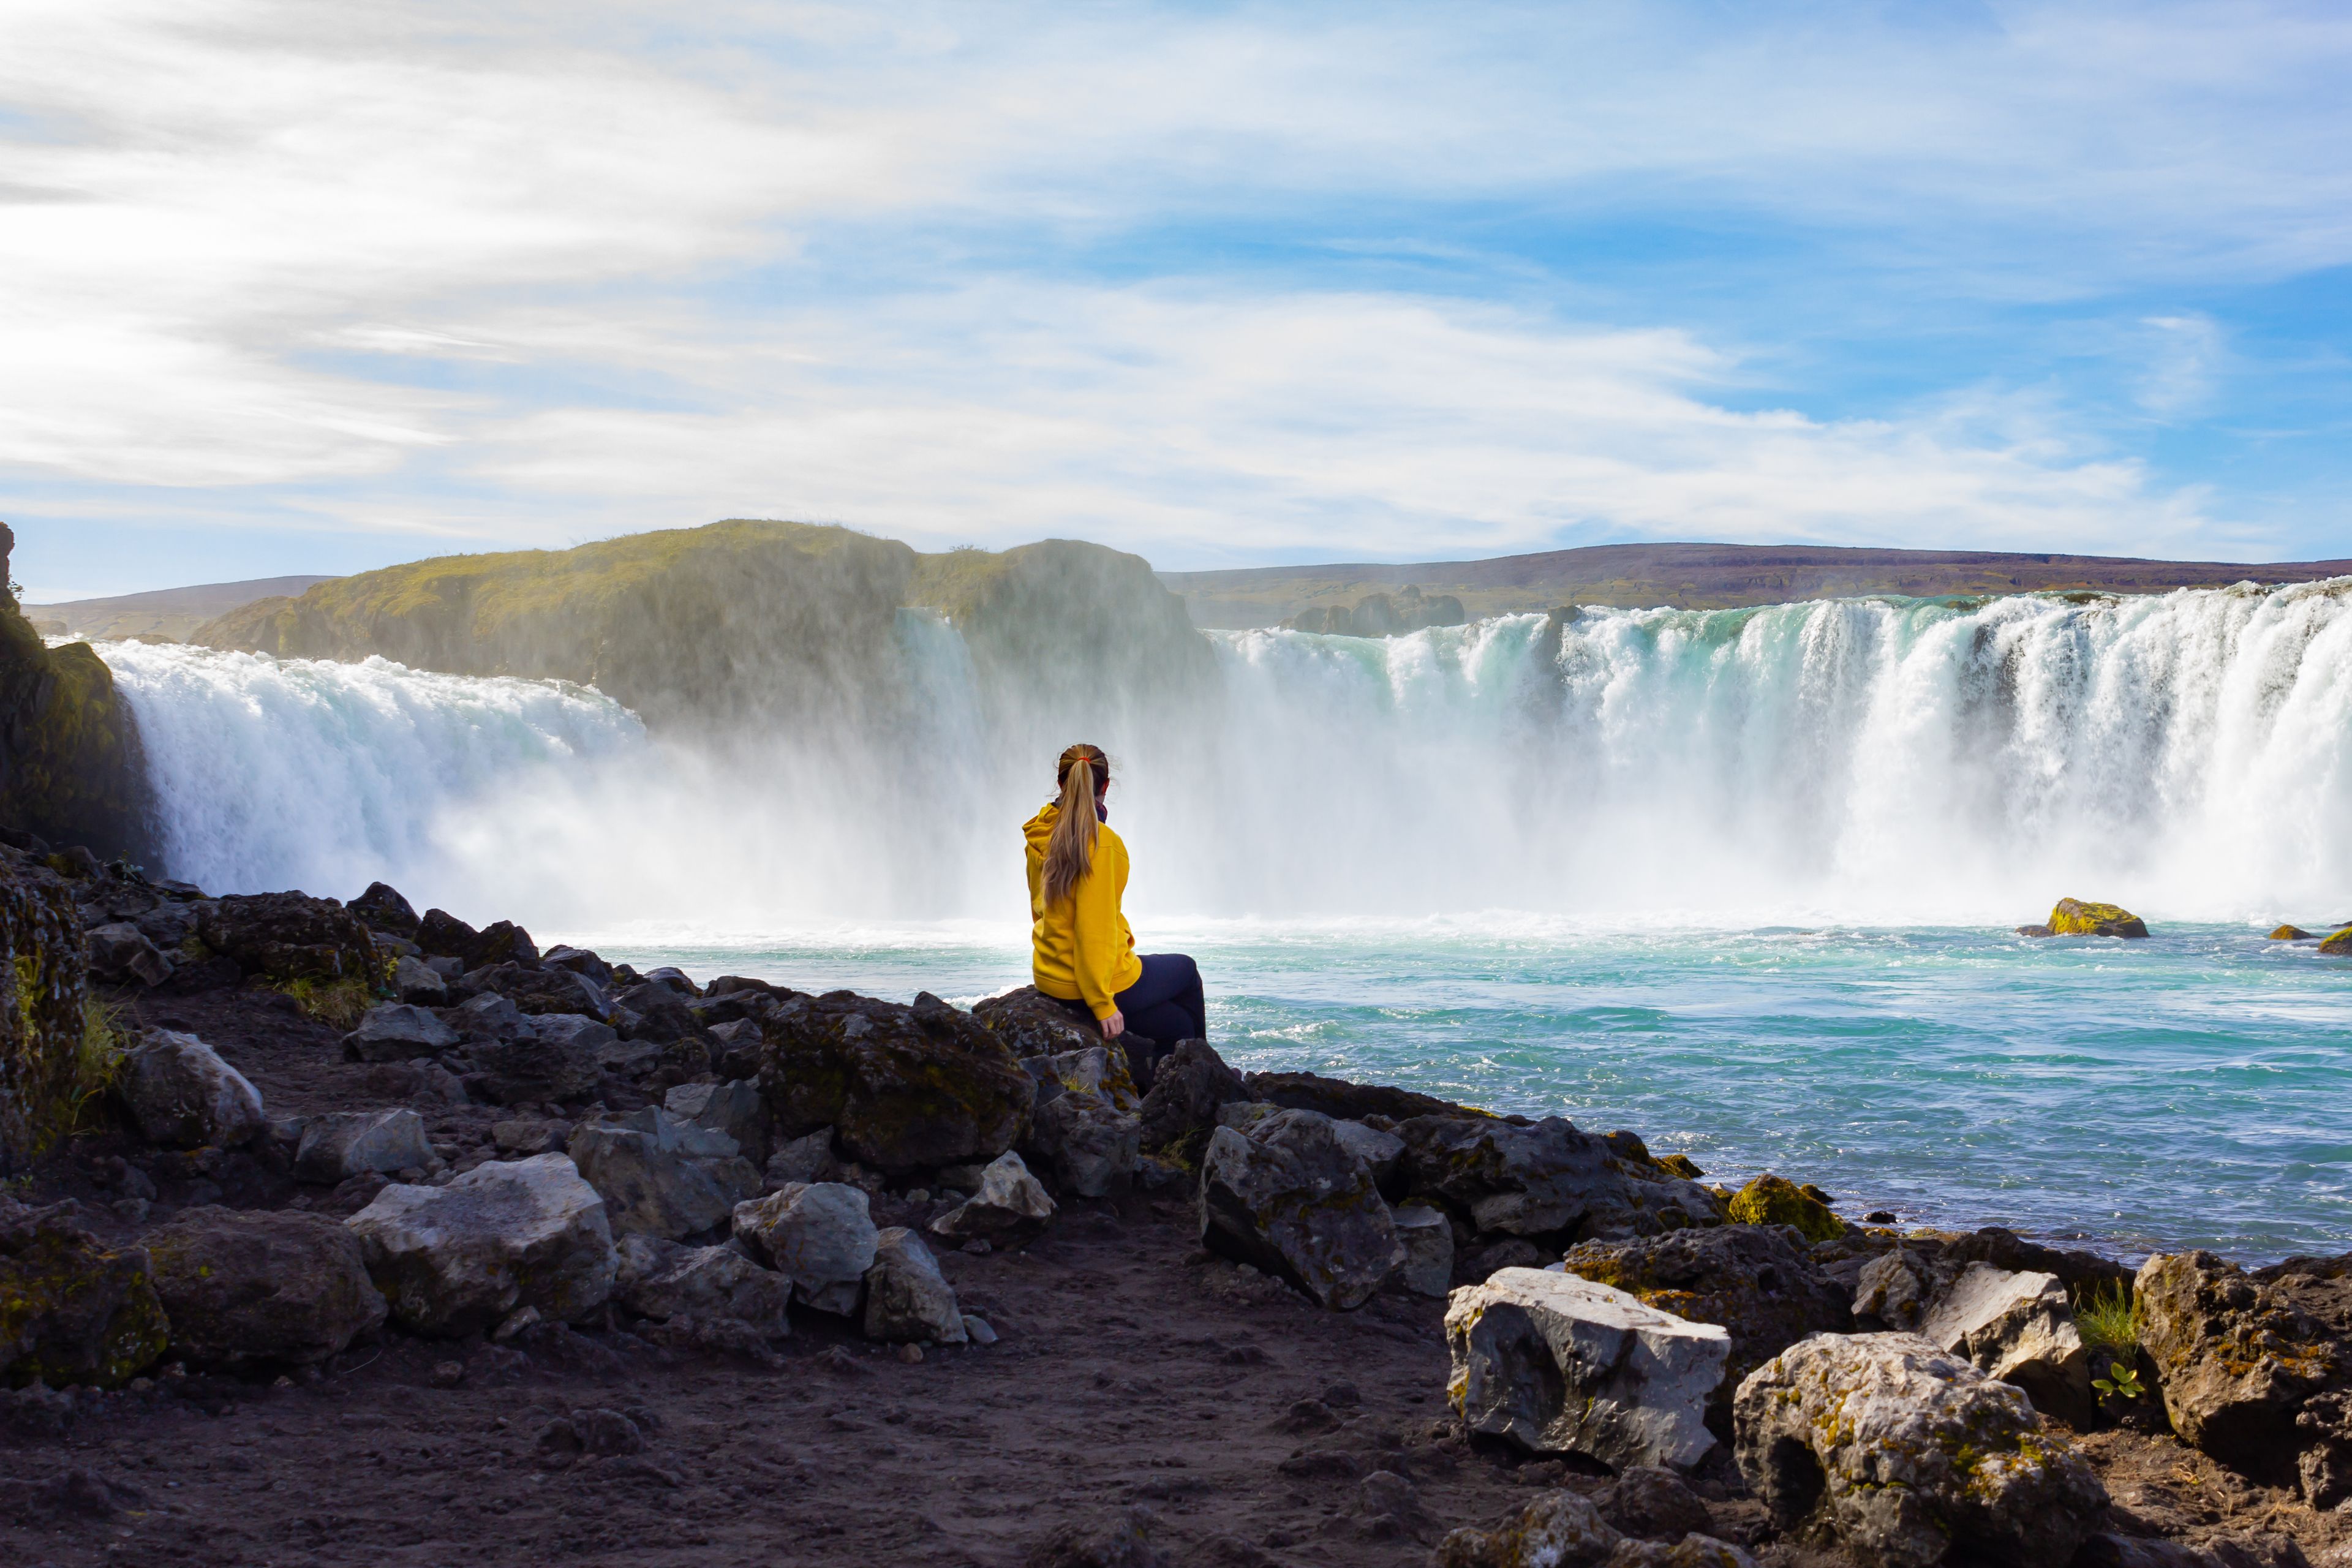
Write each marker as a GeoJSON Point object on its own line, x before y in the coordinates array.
{"type": "Point", "coordinates": [1775, 1200]}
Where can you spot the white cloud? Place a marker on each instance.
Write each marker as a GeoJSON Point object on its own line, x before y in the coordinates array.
{"type": "Point", "coordinates": [473, 271]}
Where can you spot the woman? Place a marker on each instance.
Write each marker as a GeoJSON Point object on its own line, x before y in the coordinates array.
{"type": "Point", "coordinates": [1085, 954]}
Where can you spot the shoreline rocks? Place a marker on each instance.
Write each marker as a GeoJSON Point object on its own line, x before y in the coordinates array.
{"type": "Point", "coordinates": [499, 1238]}
{"type": "Point", "coordinates": [1560, 1364]}
{"type": "Point", "coordinates": [1904, 1455]}
{"type": "Point", "coordinates": [1291, 1199]}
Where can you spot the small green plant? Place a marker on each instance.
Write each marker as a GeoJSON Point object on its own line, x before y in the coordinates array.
{"type": "Point", "coordinates": [98, 1063]}
{"type": "Point", "coordinates": [2108, 1319]}
{"type": "Point", "coordinates": [2121, 1382]}
{"type": "Point", "coordinates": [341, 1004]}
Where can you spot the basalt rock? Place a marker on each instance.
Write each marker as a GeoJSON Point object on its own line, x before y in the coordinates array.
{"type": "Point", "coordinates": [1559, 1530]}
{"type": "Point", "coordinates": [346, 1143]}
{"type": "Point", "coordinates": [534, 990]}
{"type": "Point", "coordinates": [1427, 1238]}
{"type": "Point", "coordinates": [708, 1283]}
{"type": "Point", "coordinates": [185, 1097]}
{"type": "Point", "coordinates": [2337, 944]}
{"type": "Point", "coordinates": [247, 1288]}
{"type": "Point", "coordinates": [44, 988]}
{"type": "Point", "coordinates": [1011, 1206]}
{"type": "Point", "coordinates": [291, 936]}
{"type": "Point", "coordinates": [398, 1032]}
{"type": "Point", "coordinates": [2072, 917]}
{"type": "Point", "coordinates": [1906, 1456]}
{"type": "Point", "coordinates": [381, 908]}
{"type": "Point", "coordinates": [1755, 1283]}
{"type": "Point", "coordinates": [1089, 1143]}
{"type": "Point", "coordinates": [460, 1258]}
{"type": "Point", "coordinates": [733, 1108]}
{"type": "Point", "coordinates": [1559, 1364]}
{"type": "Point", "coordinates": [71, 1309]}
{"type": "Point", "coordinates": [1545, 1182]}
{"type": "Point", "coordinates": [120, 954]}
{"type": "Point", "coordinates": [663, 1177]}
{"type": "Point", "coordinates": [2018, 1328]}
{"type": "Point", "coordinates": [1032, 1023]}
{"type": "Point", "coordinates": [1291, 1200]}
{"type": "Point", "coordinates": [551, 1060]}
{"type": "Point", "coordinates": [1191, 1084]}
{"type": "Point", "coordinates": [1345, 1101]}
{"type": "Point", "coordinates": [821, 1235]}
{"type": "Point", "coordinates": [1775, 1200]}
{"type": "Point", "coordinates": [2256, 1366]}
{"type": "Point", "coordinates": [906, 1297]}
{"type": "Point", "coordinates": [904, 1089]}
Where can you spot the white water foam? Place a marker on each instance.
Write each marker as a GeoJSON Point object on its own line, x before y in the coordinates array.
{"type": "Point", "coordinates": [1863, 761]}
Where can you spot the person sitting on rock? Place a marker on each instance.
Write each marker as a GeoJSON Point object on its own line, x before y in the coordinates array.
{"type": "Point", "coordinates": [1085, 954]}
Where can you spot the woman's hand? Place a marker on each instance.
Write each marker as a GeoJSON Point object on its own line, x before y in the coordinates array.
{"type": "Point", "coordinates": [1114, 1027]}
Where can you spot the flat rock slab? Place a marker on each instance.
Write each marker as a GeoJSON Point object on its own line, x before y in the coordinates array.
{"type": "Point", "coordinates": [1560, 1364]}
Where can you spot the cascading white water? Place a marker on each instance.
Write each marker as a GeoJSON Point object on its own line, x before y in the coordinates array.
{"type": "Point", "coordinates": [2188, 753]}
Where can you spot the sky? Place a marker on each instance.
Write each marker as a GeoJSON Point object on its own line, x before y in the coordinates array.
{"type": "Point", "coordinates": [287, 287]}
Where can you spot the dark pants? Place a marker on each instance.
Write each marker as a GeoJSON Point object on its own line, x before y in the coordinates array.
{"type": "Point", "coordinates": [1164, 1005]}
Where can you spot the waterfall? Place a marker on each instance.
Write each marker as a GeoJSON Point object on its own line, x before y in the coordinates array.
{"type": "Point", "coordinates": [1888, 760]}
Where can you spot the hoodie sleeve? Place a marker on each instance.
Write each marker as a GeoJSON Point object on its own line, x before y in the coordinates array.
{"type": "Point", "coordinates": [1102, 940]}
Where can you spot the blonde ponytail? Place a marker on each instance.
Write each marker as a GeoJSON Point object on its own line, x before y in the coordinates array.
{"type": "Point", "coordinates": [1070, 851]}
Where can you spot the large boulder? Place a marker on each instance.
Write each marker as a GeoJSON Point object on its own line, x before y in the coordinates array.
{"type": "Point", "coordinates": [1097, 1069]}
{"type": "Point", "coordinates": [904, 1089]}
{"type": "Point", "coordinates": [1011, 1206]}
{"type": "Point", "coordinates": [1906, 1455]}
{"type": "Point", "coordinates": [1190, 1083]}
{"type": "Point", "coordinates": [341, 1144]}
{"type": "Point", "coordinates": [381, 908]}
{"type": "Point", "coordinates": [1545, 1182]}
{"type": "Point", "coordinates": [183, 1096]}
{"type": "Point", "coordinates": [2018, 1328]}
{"type": "Point", "coordinates": [1559, 1364]}
{"type": "Point", "coordinates": [1289, 1198]}
{"type": "Point", "coordinates": [820, 1234]}
{"type": "Point", "coordinates": [120, 954]}
{"type": "Point", "coordinates": [733, 1108]}
{"type": "Point", "coordinates": [417, 983]}
{"type": "Point", "coordinates": [291, 936]}
{"type": "Point", "coordinates": [710, 1284]}
{"type": "Point", "coordinates": [71, 1309]}
{"type": "Point", "coordinates": [457, 1259]}
{"type": "Point", "coordinates": [535, 989]}
{"type": "Point", "coordinates": [1085, 1141]}
{"type": "Point", "coordinates": [251, 1287]}
{"type": "Point", "coordinates": [662, 1176]}
{"type": "Point", "coordinates": [906, 1297]}
{"type": "Point", "coordinates": [1032, 1023]}
{"type": "Point", "coordinates": [398, 1032]}
{"type": "Point", "coordinates": [1755, 1283]}
{"type": "Point", "coordinates": [2256, 1366]}
{"type": "Point", "coordinates": [544, 1059]}
{"type": "Point", "coordinates": [1342, 1100]}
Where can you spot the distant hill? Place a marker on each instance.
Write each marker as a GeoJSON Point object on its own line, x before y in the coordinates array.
{"type": "Point", "coordinates": [173, 612]}
{"type": "Point", "coordinates": [751, 619]}
{"type": "Point", "coordinates": [1701, 577]}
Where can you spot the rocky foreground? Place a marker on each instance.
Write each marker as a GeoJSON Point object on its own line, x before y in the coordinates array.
{"type": "Point", "coordinates": [340, 1234]}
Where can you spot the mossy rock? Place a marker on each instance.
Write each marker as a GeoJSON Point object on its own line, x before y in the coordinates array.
{"type": "Point", "coordinates": [1682, 1165]}
{"type": "Point", "coordinates": [2072, 917]}
{"type": "Point", "coordinates": [2339, 944]}
{"type": "Point", "coordinates": [2290, 934]}
{"type": "Point", "coordinates": [1775, 1200]}
{"type": "Point", "coordinates": [44, 1013]}
{"type": "Point", "coordinates": [70, 1310]}
{"type": "Point", "coordinates": [905, 1088]}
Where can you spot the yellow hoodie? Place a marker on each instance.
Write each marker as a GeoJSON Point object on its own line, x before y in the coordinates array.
{"type": "Point", "coordinates": [1084, 951]}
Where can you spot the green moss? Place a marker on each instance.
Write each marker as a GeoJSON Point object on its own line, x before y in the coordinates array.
{"type": "Point", "coordinates": [1775, 1200]}
{"type": "Point", "coordinates": [56, 1283]}
{"type": "Point", "coordinates": [2072, 917]}
{"type": "Point", "coordinates": [339, 1003]}
{"type": "Point", "coordinates": [44, 1025]}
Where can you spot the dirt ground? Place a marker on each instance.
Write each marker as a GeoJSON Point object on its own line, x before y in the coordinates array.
{"type": "Point", "coordinates": [1132, 1373]}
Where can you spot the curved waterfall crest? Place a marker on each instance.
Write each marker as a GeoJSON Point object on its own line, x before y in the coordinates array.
{"type": "Point", "coordinates": [1862, 760]}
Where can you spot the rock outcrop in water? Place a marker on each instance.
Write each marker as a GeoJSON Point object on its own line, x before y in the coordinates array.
{"type": "Point", "coordinates": [2072, 917]}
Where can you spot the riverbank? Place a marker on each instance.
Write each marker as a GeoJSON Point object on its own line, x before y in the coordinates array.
{"type": "Point", "coordinates": [1123, 1364]}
